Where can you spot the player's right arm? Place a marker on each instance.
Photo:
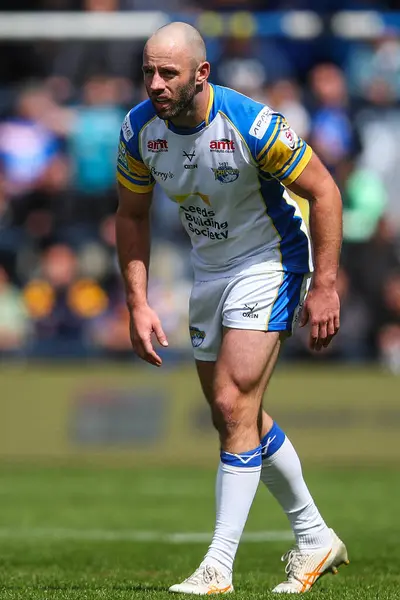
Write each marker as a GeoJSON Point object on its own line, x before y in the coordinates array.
{"type": "Point", "coordinates": [133, 247]}
{"type": "Point", "coordinates": [135, 189]}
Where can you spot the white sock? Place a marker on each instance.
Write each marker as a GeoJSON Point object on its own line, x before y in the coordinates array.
{"type": "Point", "coordinates": [282, 474]}
{"type": "Point", "coordinates": [237, 481]}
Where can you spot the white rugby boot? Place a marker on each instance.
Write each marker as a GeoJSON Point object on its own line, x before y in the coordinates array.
{"type": "Point", "coordinates": [304, 569]}
{"type": "Point", "coordinates": [206, 580]}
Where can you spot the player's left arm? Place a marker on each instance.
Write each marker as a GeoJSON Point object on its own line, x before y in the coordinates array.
{"type": "Point", "coordinates": [286, 157]}
{"type": "Point", "coordinates": [322, 307]}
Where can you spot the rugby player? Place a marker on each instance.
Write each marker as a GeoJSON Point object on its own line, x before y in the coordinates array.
{"type": "Point", "coordinates": [229, 164]}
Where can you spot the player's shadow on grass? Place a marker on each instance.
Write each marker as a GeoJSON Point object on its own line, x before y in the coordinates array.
{"type": "Point", "coordinates": [140, 587]}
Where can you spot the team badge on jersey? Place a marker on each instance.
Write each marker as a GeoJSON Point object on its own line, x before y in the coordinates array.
{"type": "Point", "coordinates": [197, 336]}
{"type": "Point", "coordinates": [225, 173]}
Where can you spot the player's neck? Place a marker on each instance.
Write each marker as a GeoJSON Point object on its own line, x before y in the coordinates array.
{"type": "Point", "coordinates": [197, 113]}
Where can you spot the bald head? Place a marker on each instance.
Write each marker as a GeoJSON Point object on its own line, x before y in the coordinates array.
{"type": "Point", "coordinates": [175, 72]}
{"type": "Point", "coordinates": [179, 38]}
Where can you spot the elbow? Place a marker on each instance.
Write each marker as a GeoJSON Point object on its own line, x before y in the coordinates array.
{"type": "Point", "coordinates": [328, 193]}
{"type": "Point", "coordinates": [124, 214]}
{"type": "Point", "coordinates": [336, 191]}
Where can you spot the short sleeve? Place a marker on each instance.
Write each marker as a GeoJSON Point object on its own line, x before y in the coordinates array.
{"type": "Point", "coordinates": [281, 153]}
{"type": "Point", "coordinates": [131, 170]}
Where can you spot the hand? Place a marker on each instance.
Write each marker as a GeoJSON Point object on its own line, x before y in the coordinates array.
{"type": "Point", "coordinates": [143, 322]}
{"type": "Point", "coordinates": [322, 309]}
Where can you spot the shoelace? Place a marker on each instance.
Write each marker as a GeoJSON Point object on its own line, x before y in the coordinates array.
{"type": "Point", "coordinates": [294, 562]}
{"type": "Point", "coordinates": [204, 575]}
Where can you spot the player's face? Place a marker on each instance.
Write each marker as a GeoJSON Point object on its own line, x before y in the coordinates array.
{"type": "Point", "coordinates": [170, 82]}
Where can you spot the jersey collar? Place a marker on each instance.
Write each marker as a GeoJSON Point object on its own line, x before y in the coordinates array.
{"type": "Point", "coordinates": [211, 112]}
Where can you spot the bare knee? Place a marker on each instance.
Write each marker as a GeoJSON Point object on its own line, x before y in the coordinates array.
{"type": "Point", "coordinates": [225, 411]}
{"type": "Point", "coordinates": [234, 416]}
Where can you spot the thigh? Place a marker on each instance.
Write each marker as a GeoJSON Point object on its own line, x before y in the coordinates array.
{"type": "Point", "coordinates": [246, 360]}
{"type": "Point", "coordinates": [265, 421]}
{"type": "Point", "coordinates": [205, 318]}
{"type": "Point", "coordinates": [206, 370]}
{"type": "Point", "coordinates": [239, 386]}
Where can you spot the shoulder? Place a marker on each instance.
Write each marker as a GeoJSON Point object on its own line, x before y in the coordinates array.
{"type": "Point", "coordinates": [137, 118]}
{"type": "Point", "coordinates": [132, 126]}
{"type": "Point", "coordinates": [251, 118]}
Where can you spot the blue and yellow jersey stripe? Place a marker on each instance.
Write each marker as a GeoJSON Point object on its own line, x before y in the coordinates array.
{"type": "Point", "coordinates": [132, 184]}
{"type": "Point", "coordinates": [271, 136]}
{"type": "Point", "coordinates": [131, 170]}
{"type": "Point", "coordinates": [133, 173]}
{"type": "Point", "coordinates": [279, 159]}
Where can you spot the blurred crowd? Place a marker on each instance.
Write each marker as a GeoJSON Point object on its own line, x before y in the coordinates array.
{"type": "Point", "coordinates": [61, 107]}
{"type": "Point", "coordinates": [327, 6]}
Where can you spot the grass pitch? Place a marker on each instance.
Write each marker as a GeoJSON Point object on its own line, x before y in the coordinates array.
{"type": "Point", "coordinates": [93, 533]}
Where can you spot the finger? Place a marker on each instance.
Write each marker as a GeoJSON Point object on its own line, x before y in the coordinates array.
{"type": "Point", "coordinates": [322, 335]}
{"type": "Point", "coordinates": [314, 334]}
{"type": "Point", "coordinates": [331, 327]}
{"type": "Point", "coordinates": [151, 355]}
{"type": "Point", "coordinates": [313, 342]}
{"type": "Point", "coordinates": [328, 340]}
{"type": "Point", "coordinates": [331, 332]}
{"type": "Point", "coordinates": [145, 351]}
{"type": "Point", "coordinates": [304, 316]}
{"type": "Point", "coordinates": [160, 335]}
{"type": "Point", "coordinates": [336, 322]}
{"type": "Point", "coordinates": [152, 361]}
{"type": "Point", "coordinates": [139, 349]}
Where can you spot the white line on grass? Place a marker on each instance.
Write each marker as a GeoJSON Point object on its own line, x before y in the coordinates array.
{"type": "Point", "coordinates": [134, 536]}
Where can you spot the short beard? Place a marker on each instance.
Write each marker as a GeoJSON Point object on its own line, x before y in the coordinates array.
{"type": "Point", "coordinates": [183, 103]}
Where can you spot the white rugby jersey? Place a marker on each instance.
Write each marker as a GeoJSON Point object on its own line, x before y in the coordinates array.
{"type": "Point", "coordinates": [227, 177]}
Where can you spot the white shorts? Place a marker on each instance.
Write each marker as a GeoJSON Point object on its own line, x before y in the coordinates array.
{"type": "Point", "coordinates": [256, 298]}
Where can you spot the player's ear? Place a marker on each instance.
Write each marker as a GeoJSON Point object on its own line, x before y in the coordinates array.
{"type": "Point", "coordinates": [203, 72]}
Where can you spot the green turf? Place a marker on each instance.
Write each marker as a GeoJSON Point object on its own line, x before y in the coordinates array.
{"type": "Point", "coordinates": [53, 523]}
{"type": "Point", "coordinates": [42, 509]}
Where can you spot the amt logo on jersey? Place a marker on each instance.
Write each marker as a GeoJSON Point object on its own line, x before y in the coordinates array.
{"type": "Point", "coordinates": [157, 145]}
{"type": "Point", "coordinates": [222, 145]}
{"type": "Point", "coordinates": [225, 173]}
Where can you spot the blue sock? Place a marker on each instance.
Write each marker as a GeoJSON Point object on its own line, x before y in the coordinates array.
{"type": "Point", "coordinates": [244, 460]}
{"type": "Point", "coordinates": [272, 441]}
